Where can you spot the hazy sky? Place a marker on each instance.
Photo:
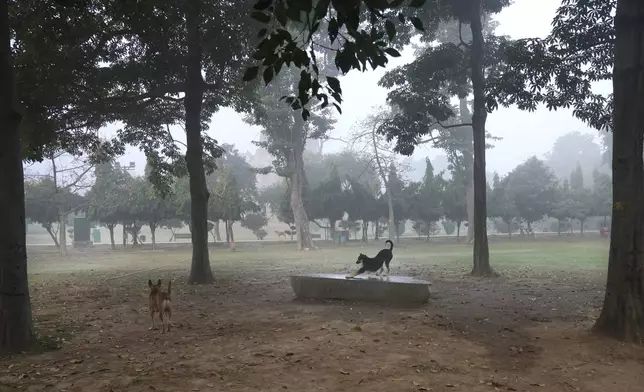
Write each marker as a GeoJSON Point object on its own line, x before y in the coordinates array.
{"type": "Point", "coordinates": [524, 134]}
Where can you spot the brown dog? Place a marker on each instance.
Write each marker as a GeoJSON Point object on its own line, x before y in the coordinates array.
{"type": "Point", "coordinates": [160, 302]}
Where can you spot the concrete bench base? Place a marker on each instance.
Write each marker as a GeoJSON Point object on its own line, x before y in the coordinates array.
{"type": "Point", "coordinates": [393, 289]}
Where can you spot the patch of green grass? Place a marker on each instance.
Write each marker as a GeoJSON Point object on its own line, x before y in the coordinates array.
{"type": "Point", "coordinates": [506, 256]}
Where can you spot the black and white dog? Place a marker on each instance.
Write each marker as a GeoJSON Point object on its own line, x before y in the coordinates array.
{"type": "Point", "coordinates": [373, 264]}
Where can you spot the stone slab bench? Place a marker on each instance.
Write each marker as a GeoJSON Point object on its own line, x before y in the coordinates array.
{"type": "Point", "coordinates": [392, 289]}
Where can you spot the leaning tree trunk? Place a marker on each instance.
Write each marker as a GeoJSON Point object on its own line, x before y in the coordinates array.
{"type": "Point", "coordinates": [481, 257]}
{"type": "Point", "coordinates": [297, 205]}
{"type": "Point", "coordinates": [622, 315]}
{"type": "Point", "coordinates": [53, 236]}
{"type": "Point", "coordinates": [16, 332]}
{"type": "Point", "coordinates": [200, 271]}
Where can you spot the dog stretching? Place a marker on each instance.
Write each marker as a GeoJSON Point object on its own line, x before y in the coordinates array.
{"type": "Point", "coordinates": [373, 264]}
{"type": "Point", "coordinates": [160, 302]}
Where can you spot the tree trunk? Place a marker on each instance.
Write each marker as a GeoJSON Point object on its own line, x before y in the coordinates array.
{"type": "Point", "coordinates": [559, 227]}
{"type": "Point", "coordinates": [232, 234]}
{"type": "Point", "coordinates": [481, 257]}
{"type": "Point", "coordinates": [227, 232]}
{"type": "Point", "coordinates": [297, 205]}
{"type": "Point", "coordinates": [468, 161]}
{"type": "Point", "coordinates": [581, 227]}
{"type": "Point", "coordinates": [332, 228]}
{"type": "Point", "coordinates": [391, 223]}
{"type": "Point", "coordinates": [376, 235]}
{"type": "Point", "coordinates": [510, 230]}
{"type": "Point", "coordinates": [469, 204]}
{"type": "Point", "coordinates": [124, 235]}
{"type": "Point", "coordinates": [53, 235]}
{"type": "Point", "coordinates": [458, 231]}
{"type": "Point", "coordinates": [110, 228]}
{"type": "Point", "coordinates": [217, 233]}
{"type": "Point", "coordinates": [622, 315]}
{"type": "Point", "coordinates": [200, 271]}
{"type": "Point", "coordinates": [153, 229]}
{"type": "Point", "coordinates": [62, 233]}
{"type": "Point", "coordinates": [16, 332]}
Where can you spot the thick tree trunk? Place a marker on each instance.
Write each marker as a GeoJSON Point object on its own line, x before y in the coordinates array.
{"type": "Point", "coordinates": [200, 271]}
{"type": "Point", "coordinates": [16, 332]}
{"type": "Point", "coordinates": [481, 257]}
{"type": "Point", "coordinates": [469, 204]}
{"type": "Point", "coordinates": [458, 231]}
{"type": "Point", "coordinates": [227, 232]}
{"type": "Point", "coordinates": [232, 234]}
{"type": "Point", "coordinates": [376, 235]}
{"type": "Point", "coordinates": [53, 236]}
{"type": "Point", "coordinates": [468, 160]}
{"type": "Point", "coordinates": [304, 241]}
{"type": "Point", "coordinates": [622, 315]}
{"type": "Point", "coordinates": [510, 230]}
{"type": "Point", "coordinates": [124, 235]}
{"type": "Point", "coordinates": [110, 228]}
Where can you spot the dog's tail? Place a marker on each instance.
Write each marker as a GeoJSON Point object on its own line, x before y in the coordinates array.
{"type": "Point", "coordinates": [391, 244]}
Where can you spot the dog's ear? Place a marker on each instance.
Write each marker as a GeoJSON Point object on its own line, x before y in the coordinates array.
{"type": "Point", "coordinates": [159, 282]}
{"type": "Point", "coordinates": [149, 282]}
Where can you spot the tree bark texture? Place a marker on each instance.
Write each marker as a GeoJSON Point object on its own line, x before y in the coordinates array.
{"type": "Point", "coordinates": [110, 228]}
{"type": "Point", "coordinates": [297, 205]}
{"type": "Point", "coordinates": [200, 271]}
{"type": "Point", "coordinates": [466, 116]}
{"type": "Point", "coordinates": [622, 315]}
{"type": "Point", "coordinates": [481, 257]}
{"type": "Point", "coordinates": [16, 333]}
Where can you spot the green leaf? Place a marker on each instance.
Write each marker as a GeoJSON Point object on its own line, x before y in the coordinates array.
{"type": "Point", "coordinates": [417, 23]}
{"type": "Point", "coordinates": [334, 83]}
{"type": "Point", "coordinates": [260, 17]}
{"type": "Point", "coordinates": [250, 73]}
{"type": "Point", "coordinates": [305, 114]}
{"type": "Point", "coordinates": [392, 52]}
{"type": "Point", "coordinates": [280, 13]}
{"type": "Point", "coordinates": [268, 75]}
{"type": "Point", "coordinates": [262, 32]}
{"type": "Point", "coordinates": [391, 30]}
{"type": "Point", "coordinates": [417, 3]}
{"type": "Point", "coordinates": [337, 107]}
{"type": "Point", "coordinates": [333, 29]}
{"type": "Point", "coordinates": [321, 9]}
{"type": "Point", "coordinates": [261, 5]}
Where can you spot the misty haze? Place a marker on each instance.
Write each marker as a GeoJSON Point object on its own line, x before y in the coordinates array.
{"type": "Point", "coordinates": [426, 195]}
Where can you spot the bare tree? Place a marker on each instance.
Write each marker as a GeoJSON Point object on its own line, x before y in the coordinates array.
{"type": "Point", "coordinates": [365, 138]}
{"type": "Point", "coordinates": [69, 175]}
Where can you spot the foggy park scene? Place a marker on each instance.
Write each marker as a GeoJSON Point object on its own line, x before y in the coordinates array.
{"type": "Point", "coordinates": [322, 195]}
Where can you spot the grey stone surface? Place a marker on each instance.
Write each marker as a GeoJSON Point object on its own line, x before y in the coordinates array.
{"type": "Point", "coordinates": [393, 289]}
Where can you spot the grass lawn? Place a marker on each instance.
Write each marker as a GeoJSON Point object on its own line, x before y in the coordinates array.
{"type": "Point", "coordinates": [524, 331]}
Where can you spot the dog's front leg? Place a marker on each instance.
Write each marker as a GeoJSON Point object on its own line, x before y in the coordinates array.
{"type": "Point", "coordinates": [152, 318]}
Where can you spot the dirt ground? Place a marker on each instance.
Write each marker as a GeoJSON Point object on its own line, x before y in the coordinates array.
{"type": "Point", "coordinates": [524, 331]}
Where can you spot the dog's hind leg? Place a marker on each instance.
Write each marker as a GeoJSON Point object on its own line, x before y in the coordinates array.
{"type": "Point", "coordinates": [169, 316]}
{"type": "Point", "coordinates": [162, 322]}
{"type": "Point", "coordinates": [387, 265]}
